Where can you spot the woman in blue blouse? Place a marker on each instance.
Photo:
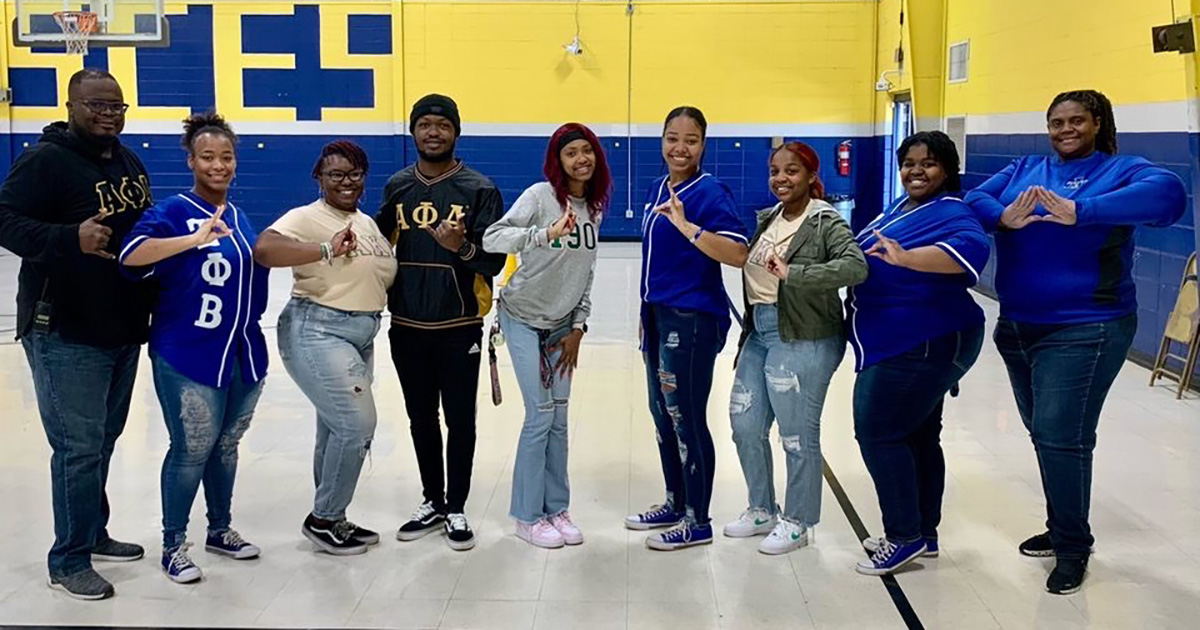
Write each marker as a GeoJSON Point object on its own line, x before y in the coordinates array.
{"type": "Point", "coordinates": [1068, 308]}
{"type": "Point", "coordinates": [207, 350]}
{"type": "Point", "coordinates": [916, 331]}
{"type": "Point", "coordinates": [689, 229]}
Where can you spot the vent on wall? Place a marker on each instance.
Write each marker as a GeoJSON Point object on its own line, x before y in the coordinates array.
{"type": "Point", "coordinates": [960, 55]}
{"type": "Point", "coordinates": [956, 128]}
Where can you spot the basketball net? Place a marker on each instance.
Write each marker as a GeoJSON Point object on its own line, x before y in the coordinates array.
{"type": "Point", "coordinates": [76, 27]}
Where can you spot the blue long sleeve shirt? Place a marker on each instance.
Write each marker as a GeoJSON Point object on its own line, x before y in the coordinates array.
{"type": "Point", "coordinates": [1049, 273]}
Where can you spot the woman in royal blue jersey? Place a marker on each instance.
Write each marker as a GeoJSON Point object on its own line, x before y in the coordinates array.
{"type": "Point", "coordinates": [915, 331]}
{"type": "Point", "coordinates": [206, 347]}
{"type": "Point", "coordinates": [1068, 310]}
{"type": "Point", "coordinates": [690, 227]}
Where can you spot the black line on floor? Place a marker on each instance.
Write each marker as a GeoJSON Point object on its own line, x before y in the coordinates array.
{"type": "Point", "coordinates": [889, 581]}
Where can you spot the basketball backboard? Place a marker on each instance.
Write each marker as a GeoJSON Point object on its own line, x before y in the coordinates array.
{"type": "Point", "coordinates": [119, 22]}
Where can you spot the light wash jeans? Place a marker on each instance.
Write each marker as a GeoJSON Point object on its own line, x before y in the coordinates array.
{"type": "Point", "coordinates": [330, 355]}
{"type": "Point", "coordinates": [785, 381]}
{"type": "Point", "coordinates": [206, 425]}
{"type": "Point", "coordinates": [540, 487]}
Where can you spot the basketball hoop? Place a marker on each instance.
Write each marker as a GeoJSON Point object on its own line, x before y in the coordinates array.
{"type": "Point", "coordinates": [76, 27]}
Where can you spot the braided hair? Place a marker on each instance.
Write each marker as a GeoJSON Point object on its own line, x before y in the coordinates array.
{"type": "Point", "coordinates": [197, 125]}
{"type": "Point", "coordinates": [345, 148]}
{"type": "Point", "coordinates": [1100, 108]}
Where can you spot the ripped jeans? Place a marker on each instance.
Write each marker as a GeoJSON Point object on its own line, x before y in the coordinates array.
{"type": "Point", "coordinates": [681, 349]}
{"type": "Point", "coordinates": [330, 354]}
{"type": "Point", "coordinates": [540, 487]}
{"type": "Point", "coordinates": [205, 424]}
{"type": "Point", "coordinates": [784, 381]}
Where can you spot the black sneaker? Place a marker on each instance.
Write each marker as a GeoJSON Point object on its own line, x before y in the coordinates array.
{"type": "Point", "coordinates": [1037, 546]}
{"type": "Point", "coordinates": [458, 533]}
{"type": "Point", "coordinates": [116, 551]}
{"type": "Point", "coordinates": [86, 584]}
{"type": "Point", "coordinates": [363, 535]}
{"type": "Point", "coordinates": [335, 538]}
{"type": "Point", "coordinates": [425, 520]}
{"type": "Point", "coordinates": [1067, 576]}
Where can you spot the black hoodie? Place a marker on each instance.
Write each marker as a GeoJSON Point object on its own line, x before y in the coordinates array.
{"type": "Point", "coordinates": [52, 188]}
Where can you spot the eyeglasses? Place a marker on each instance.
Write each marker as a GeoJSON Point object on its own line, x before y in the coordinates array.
{"type": "Point", "coordinates": [106, 107]}
{"type": "Point", "coordinates": [338, 177]}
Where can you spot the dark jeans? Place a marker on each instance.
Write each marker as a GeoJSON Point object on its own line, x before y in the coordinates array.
{"type": "Point", "coordinates": [898, 425]}
{"type": "Point", "coordinates": [83, 396]}
{"type": "Point", "coordinates": [681, 349]}
{"type": "Point", "coordinates": [1060, 376]}
{"type": "Point", "coordinates": [440, 366]}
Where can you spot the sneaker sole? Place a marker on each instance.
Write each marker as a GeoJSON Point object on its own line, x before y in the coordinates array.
{"type": "Point", "coordinates": [368, 540]}
{"type": "Point", "coordinates": [420, 533]}
{"type": "Point", "coordinates": [87, 598]}
{"type": "Point", "coordinates": [530, 540]}
{"type": "Point", "coordinates": [236, 555]}
{"type": "Point", "coordinates": [642, 527]}
{"type": "Point", "coordinates": [572, 542]}
{"type": "Point", "coordinates": [180, 580]}
{"type": "Point", "coordinates": [331, 550]}
{"type": "Point", "coordinates": [661, 546]}
{"type": "Point", "coordinates": [96, 557]}
{"type": "Point", "coordinates": [779, 552]}
{"type": "Point", "coordinates": [1068, 591]}
{"type": "Point", "coordinates": [1037, 554]}
{"type": "Point", "coordinates": [461, 546]}
{"type": "Point", "coordinates": [878, 572]}
{"type": "Point", "coordinates": [761, 531]}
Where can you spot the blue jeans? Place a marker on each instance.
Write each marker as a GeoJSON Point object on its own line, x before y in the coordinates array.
{"type": "Point", "coordinates": [540, 487]}
{"type": "Point", "coordinates": [83, 395]}
{"type": "Point", "coordinates": [1060, 375]}
{"type": "Point", "coordinates": [898, 425]}
{"type": "Point", "coordinates": [331, 356]}
{"type": "Point", "coordinates": [782, 381]}
{"type": "Point", "coordinates": [206, 424]}
{"type": "Point", "coordinates": [681, 350]}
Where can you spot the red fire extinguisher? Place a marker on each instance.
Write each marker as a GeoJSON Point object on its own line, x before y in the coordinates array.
{"type": "Point", "coordinates": [843, 158]}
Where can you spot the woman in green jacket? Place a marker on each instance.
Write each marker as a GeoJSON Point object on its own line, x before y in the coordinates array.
{"type": "Point", "coordinates": [793, 340]}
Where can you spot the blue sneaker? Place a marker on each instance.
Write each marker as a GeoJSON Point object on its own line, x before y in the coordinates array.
{"type": "Point", "coordinates": [230, 543]}
{"type": "Point", "coordinates": [871, 545]}
{"type": "Point", "coordinates": [685, 534]}
{"type": "Point", "coordinates": [890, 557]}
{"type": "Point", "coordinates": [179, 566]}
{"type": "Point", "coordinates": [657, 516]}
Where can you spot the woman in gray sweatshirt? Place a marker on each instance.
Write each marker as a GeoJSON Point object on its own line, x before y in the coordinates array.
{"type": "Point", "coordinates": [553, 228]}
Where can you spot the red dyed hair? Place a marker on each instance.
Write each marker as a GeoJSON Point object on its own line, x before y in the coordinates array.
{"type": "Point", "coordinates": [596, 191]}
{"type": "Point", "coordinates": [808, 157]}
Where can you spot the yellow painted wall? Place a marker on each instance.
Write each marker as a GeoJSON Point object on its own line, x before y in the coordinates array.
{"type": "Point", "coordinates": [1023, 52]}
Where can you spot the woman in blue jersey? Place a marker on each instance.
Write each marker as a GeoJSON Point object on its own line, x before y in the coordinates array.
{"type": "Point", "coordinates": [916, 331]}
{"type": "Point", "coordinates": [206, 348]}
{"type": "Point", "coordinates": [1068, 310]}
{"type": "Point", "coordinates": [690, 228]}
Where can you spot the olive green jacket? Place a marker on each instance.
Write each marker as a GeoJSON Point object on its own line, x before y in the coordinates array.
{"type": "Point", "coordinates": [822, 258]}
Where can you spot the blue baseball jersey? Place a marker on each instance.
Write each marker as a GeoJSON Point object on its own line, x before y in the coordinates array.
{"type": "Point", "coordinates": [675, 272]}
{"type": "Point", "coordinates": [898, 308]}
{"type": "Point", "coordinates": [1049, 273]}
{"type": "Point", "coordinates": [210, 298]}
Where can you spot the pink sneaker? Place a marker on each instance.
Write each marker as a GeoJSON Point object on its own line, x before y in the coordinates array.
{"type": "Point", "coordinates": [570, 533]}
{"type": "Point", "coordinates": [540, 534]}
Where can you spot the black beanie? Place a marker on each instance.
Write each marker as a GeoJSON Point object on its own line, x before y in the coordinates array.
{"type": "Point", "coordinates": [437, 105]}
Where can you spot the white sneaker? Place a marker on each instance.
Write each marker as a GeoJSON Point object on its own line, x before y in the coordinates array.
{"type": "Point", "coordinates": [786, 537]}
{"type": "Point", "coordinates": [540, 534]}
{"type": "Point", "coordinates": [752, 522]}
{"type": "Point", "coordinates": [565, 526]}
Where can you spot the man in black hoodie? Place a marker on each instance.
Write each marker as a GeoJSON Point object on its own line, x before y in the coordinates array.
{"type": "Point", "coordinates": [65, 207]}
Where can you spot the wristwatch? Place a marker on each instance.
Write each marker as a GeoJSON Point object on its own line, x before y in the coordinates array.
{"type": "Point", "coordinates": [466, 249]}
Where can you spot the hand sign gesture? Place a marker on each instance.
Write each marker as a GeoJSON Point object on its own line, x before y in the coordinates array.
{"type": "Point", "coordinates": [94, 236]}
{"type": "Point", "coordinates": [888, 250]}
{"type": "Point", "coordinates": [212, 229]}
{"type": "Point", "coordinates": [344, 242]}
{"type": "Point", "coordinates": [450, 235]}
{"type": "Point", "coordinates": [1019, 213]}
{"type": "Point", "coordinates": [1061, 209]}
{"type": "Point", "coordinates": [777, 266]}
{"type": "Point", "coordinates": [673, 208]}
{"type": "Point", "coordinates": [563, 226]}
